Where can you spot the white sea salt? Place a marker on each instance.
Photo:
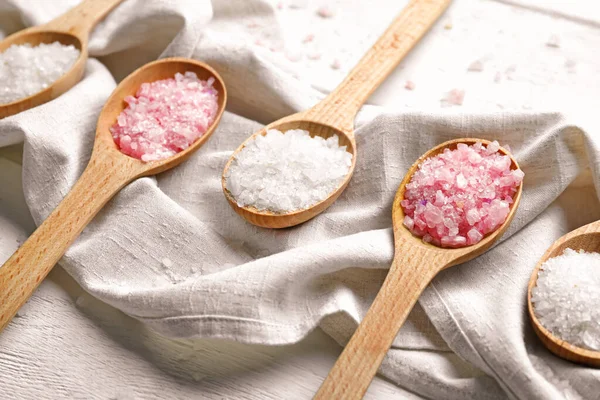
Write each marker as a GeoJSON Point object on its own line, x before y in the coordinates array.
{"type": "Point", "coordinates": [566, 298]}
{"type": "Point", "coordinates": [27, 70]}
{"type": "Point", "coordinates": [285, 172]}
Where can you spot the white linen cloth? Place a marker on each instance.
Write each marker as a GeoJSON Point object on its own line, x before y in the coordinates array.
{"type": "Point", "coordinates": [235, 281]}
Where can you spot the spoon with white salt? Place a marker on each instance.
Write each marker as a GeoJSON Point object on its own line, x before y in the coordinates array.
{"type": "Point", "coordinates": [334, 116]}
{"type": "Point", "coordinates": [108, 171]}
{"type": "Point", "coordinates": [70, 29]}
{"type": "Point", "coordinates": [586, 238]}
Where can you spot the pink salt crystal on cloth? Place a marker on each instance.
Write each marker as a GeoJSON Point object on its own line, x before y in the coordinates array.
{"type": "Point", "coordinates": [166, 117]}
{"type": "Point", "coordinates": [336, 64]}
{"type": "Point", "coordinates": [409, 85]}
{"type": "Point", "coordinates": [457, 197]}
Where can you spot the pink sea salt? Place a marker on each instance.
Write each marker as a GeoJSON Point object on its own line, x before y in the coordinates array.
{"type": "Point", "coordinates": [165, 117]}
{"type": "Point", "coordinates": [457, 197]}
{"type": "Point", "coordinates": [325, 12]}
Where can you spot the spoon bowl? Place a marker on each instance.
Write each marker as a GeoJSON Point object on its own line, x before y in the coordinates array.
{"type": "Point", "coordinates": [154, 71]}
{"type": "Point", "coordinates": [335, 114]}
{"type": "Point", "coordinates": [586, 238]}
{"type": "Point", "coordinates": [415, 264]}
{"type": "Point", "coordinates": [461, 254]}
{"type": "Point", "coordinates": [107, 172]}
{"type": "Point", "coordinates": [71, 28]}
{"type": "Point", "coordinates": [268, 219]}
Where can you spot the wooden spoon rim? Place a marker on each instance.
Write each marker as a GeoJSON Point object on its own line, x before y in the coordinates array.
{"type": "Point", "coordinates": [488, 239]}
{"type": "Point", "coordinates": [582, 354]}
{"type": "Point", "coordinates": [77, 66]}
{"type": "Point", "coordinates": [269, 214]}
{"type": "Point", "coordinates": [104, 137]}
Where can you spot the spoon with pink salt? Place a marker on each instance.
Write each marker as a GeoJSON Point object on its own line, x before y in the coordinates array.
{"type": "Point", "coordinates": [425, 244]}
{"type": "Point", "coordinates": [110, 169]}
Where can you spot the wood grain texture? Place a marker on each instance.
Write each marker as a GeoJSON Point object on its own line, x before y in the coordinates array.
{"type": "Point", "coordinates": [72, 28]}
{"type": "Point", "coordinates": [107, 172]}
{"type": "Point", "coordinates": [415, 264]}
{"type": "Point", "coordinates": [335, 114]}
{"type": "Point", "coordinates": [586, 238]}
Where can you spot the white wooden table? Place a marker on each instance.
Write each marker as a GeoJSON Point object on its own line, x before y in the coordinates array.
{"type": "Point", "coordinates": [65, 344]}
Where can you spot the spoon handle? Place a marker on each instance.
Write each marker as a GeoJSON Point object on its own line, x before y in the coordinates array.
{"type": "Point", "coordinates": [411, 271]}
{"type": "Point", "coordinates": [340, 107]}
{"type": "Point", "coordinates": [81, 19]}
{"type": "Point", "coordinates": [28, 266]}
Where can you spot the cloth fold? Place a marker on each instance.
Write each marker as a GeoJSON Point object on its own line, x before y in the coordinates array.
{"type": "Point", "coordinates": [469, 336]}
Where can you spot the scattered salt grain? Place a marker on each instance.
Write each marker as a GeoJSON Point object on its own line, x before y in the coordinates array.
{"type": "Point", "coordinates": [166, 117]}
{"type": "Point", "coordinates": [298, 4]}
{"type": "Point", "coordinates": [570, 66]}
{"type": "Point", "coordinates": [336, 64]}
{"type": "Point", "coordinates": [285, 172]}
{"type": "Point", "coordinates": [80, 301]}
{"type": "Point", "coordinates": [325, 12]}
{"type": "Point", "coordinates": [293, 56]}
{"type": "Point", "coordinates": [553, 41]}
{"type": "Point", "coordinates": [454, 97]}
{"type": "Point", "coordinates": [314, 56]}
{"type": "Point", "coordinates": [497, 77]}
{"type": "Point", "coordinates": [27, 70]}
{"type": "Point", "coordinates": [510, 71]}
{"type": "Point", "coordinates": [448, 25]}
{"type": "Point", "coordinates": [475, 66]}
{"type": "Point", "coordinates": [457, 197]}
{"type": "Point", "coordinates": [167, 263]}
{"type": "Point", "coordinates": [308, 38]}
{"type": "Point", "coordinates": [409, 85]}
{"type": "Point", "coordinates": [566, 297]}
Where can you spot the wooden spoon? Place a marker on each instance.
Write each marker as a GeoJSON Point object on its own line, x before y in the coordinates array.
{"type": "Point", "coordinates": [586, 238]}
{"type": "Point", "coordinates": [414, 266]}
{"type": "Point", "coordinates": [335, 114]}
{"type": "Point", "coordinates": [108, 171]}
{"type": "Point", "coordinates": [71, 28]}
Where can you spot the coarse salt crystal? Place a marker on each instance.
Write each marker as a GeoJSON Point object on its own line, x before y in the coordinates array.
{"type": "Point", "coordinates": [476, 66]}
{"type": "Point", "coordinates": [26, 70]}
{"type": "Point", "coordinates": [454, 97]}
{"type": "Point", "coordinates": [285, 172]}
{"type": "Point", "coordinates": [166, 117]}
{"type": "Point", "coordinates": [566, 298]}
{"type": "Point", "coordinates": [457, 197]}
{"type": "Point", "coordinates": [325, 12]}
{"type": "Point", "coordinates": [308, 38]}
{"type": "Point", "coordinates": [293, 55]}
{"type": "Point", "coordinates": [314, 56]}
{"type": "Point", "coordinates": [553, 41]}
{"type": "Point", "coordinates": [336, 64]}
{"type": "Point", "coordinates": [409, 85]}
